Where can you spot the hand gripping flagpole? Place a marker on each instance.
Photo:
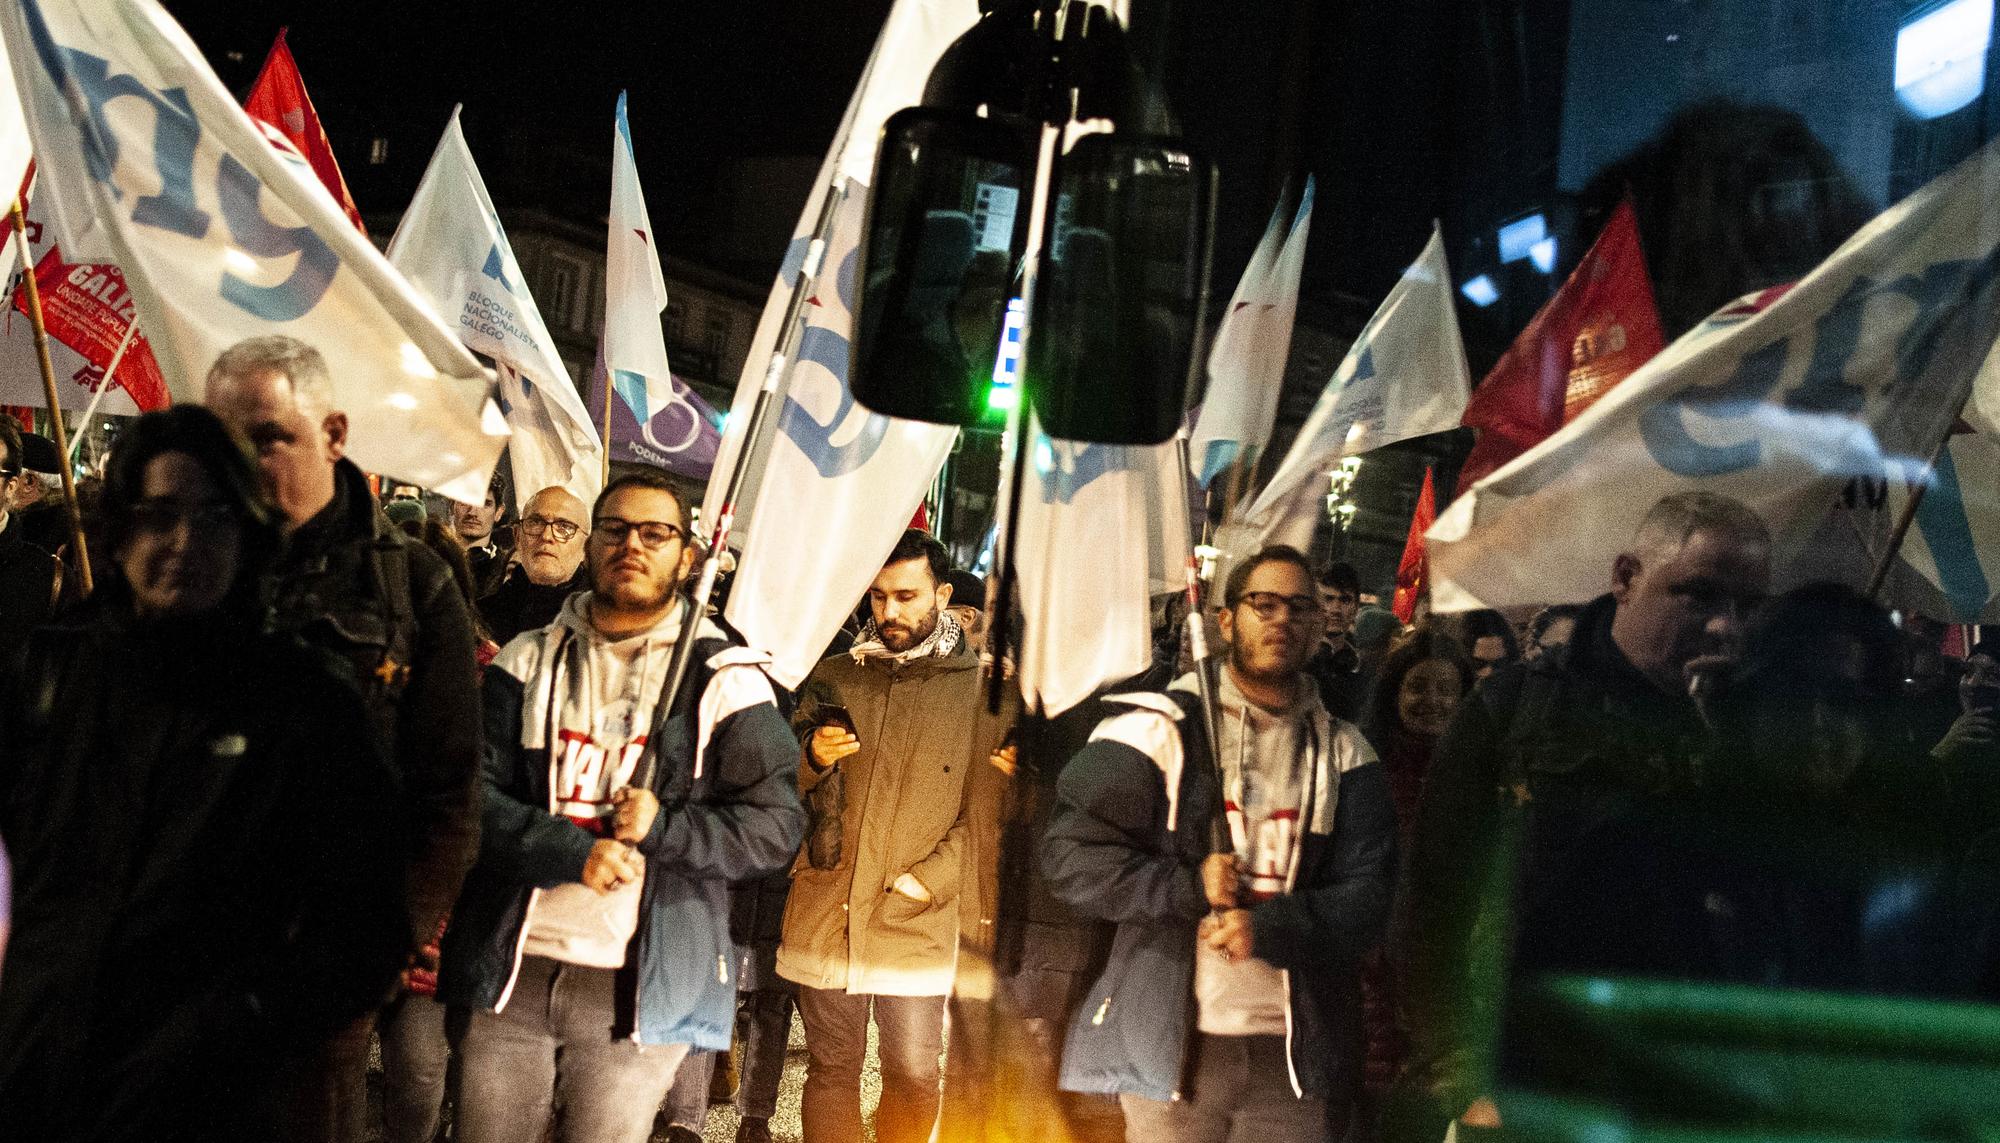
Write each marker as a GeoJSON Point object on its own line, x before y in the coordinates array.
{"type": "Point", "coordinates": [34, 290]}
{"type": "Point", "coordinates": [762, 414]}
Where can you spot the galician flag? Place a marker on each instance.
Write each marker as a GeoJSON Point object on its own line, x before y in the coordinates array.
{"type": "Point", "coordinates": [635, 350]}
{"type": "Point", "coordinates": [1812, 408]}
{"type": "Point", "coordinates": [1089, 513]}
{"type": "Point", "coordinates": [451, 246]}
{"type": "Point", "coordinates": [1404, 376]}
{"type": "Point", "coordinates": [149, 164]}
{"type": "Point", "coordinates": [278, 102]}
{"type": "Point", "coordinates": [838, 482]}
{"type": "Point", "coordinates": [1246, 367]}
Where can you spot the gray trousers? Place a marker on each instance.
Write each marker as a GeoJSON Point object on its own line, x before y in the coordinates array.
{"type": "Point", "coordinates": [1242, 1093]}
{"type": "Point", "coordinates": [553, 1045]}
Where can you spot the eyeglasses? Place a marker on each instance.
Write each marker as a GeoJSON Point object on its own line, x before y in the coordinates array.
{"type": "Point", "coordinates": [562, 530]}
{"type": "Point", "coordinates": [1267, 604]}
{"type": "Point", "coordinates": [653, 534]}
{"type": "Point", "coordinates": [159, 517]}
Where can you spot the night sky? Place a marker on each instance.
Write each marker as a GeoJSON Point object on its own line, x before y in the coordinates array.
{"type": "Point", "coordinates": [709, 82]}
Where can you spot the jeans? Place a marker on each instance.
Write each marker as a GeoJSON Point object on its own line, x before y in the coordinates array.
{"type": "Point", "coordinates": [912, 1038]}
{"type": "Point", "coordinates": [687, 1100]}
{"type": "Point", "coordinates": [415, 1055]}
{"type": "Point", "coordinates": [764, 1028]}
{"type": "Point", "coordinates": [553, 1044]}
{"type": "Point", "coordinates": [1242, 1093]}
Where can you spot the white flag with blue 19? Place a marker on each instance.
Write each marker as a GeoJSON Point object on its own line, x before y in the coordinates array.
{"type": "Point", "coordinates": [635, 349]}
{"type": "Point", "coordinates": [1404, 376]}
{"type": "Point", "coordinates": [150, 163]}
{"type": "Point", "coordinates": [1816, 411]}
{"type": "Point", "coordinates": [1084, 563]}
{"type": "Point", "coordinates": [451, 246]}
{"type": "Point", "coordinates": [839, 483]}
{"type": "Point", "coordinates": [1246, 368]}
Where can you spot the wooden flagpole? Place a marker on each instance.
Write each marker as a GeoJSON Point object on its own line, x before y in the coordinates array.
{"type": "Point", "coordinates": [34, 290]}
{"type": "Point", "coordinates": [606, 473]}
{"type": "Point", "coordinates": [1904, 519]}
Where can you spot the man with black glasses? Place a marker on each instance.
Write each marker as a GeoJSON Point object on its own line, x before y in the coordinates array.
{"type": "Point", "coordinates": [1262, 939]}
{"type": "Point", "coordinates": [591, 944]}
{"type": "Point", "coordinates": [548, 570]}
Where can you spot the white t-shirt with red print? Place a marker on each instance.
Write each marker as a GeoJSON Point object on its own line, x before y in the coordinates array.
{"type": "Point", "coordinates": [602, 719]}
{"type": "Point", "coordinates": [1265, 758]}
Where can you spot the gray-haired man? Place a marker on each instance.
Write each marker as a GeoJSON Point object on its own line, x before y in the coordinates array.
{"type": "Point", "coordinates": [388, 609]}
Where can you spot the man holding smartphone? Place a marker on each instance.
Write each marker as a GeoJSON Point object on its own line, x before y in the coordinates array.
{"type": "Point", "coordinates": [896, 722]}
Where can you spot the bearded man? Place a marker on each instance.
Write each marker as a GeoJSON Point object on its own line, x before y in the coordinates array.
{"type": "Point", "coordinates": [894, 725]}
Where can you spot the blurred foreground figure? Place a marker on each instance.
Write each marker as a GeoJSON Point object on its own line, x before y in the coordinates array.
{"type": "Point", "coordinates": [891, 730]}
{"type": "Point", "coordinates": [1264, 940]}
{"type": "Point", "coordinates": [207, 883]}
{"type": "Point", "coordinates": [388, 612]}
{"type": "Point", "coordinates": [591, 945]}
{"type": "Point", "coordinates": [1572, 740]}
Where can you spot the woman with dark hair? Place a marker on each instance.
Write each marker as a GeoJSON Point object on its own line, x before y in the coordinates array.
{"type": "Point", "coordinates": [206, 876]}
{"type": "Point", "coordinates": [1423, 678]}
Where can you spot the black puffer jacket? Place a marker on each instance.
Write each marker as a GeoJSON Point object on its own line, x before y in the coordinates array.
{"type": "Point", "coordinates": [205, 878]}
{"type": "Point", "coordinates": [387, 608]}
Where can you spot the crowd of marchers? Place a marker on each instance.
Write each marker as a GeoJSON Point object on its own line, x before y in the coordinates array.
{"type": "Point", "coordinates": [309, 771]}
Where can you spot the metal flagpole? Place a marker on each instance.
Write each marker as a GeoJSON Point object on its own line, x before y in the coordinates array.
{"type": "Point", "coordinates": [762, 414]}
{"type": "Point", "coordinates": [1013, 449]}
{"type": "Point", "coordinates": [49, 392]}
{"type": "Point", "coordinates": [777, 373]}
{"type": "Point", "coordinates": [97, 398]}
{"type": "Point", "coordinates": [605, 467]}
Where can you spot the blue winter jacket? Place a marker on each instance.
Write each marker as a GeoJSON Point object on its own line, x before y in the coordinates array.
{"type": "Point", "coordinates": [731, 815]}
{"type": "Point", "coordinates": [1126, 843]}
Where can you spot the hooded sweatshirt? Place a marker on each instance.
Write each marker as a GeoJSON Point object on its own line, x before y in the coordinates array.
{"type": "Point", "coordinates": [599, 702]}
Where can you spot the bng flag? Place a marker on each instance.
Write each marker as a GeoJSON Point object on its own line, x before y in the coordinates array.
{"type": "Point", "coordinates": [1404, 376]}
{"type": "Point", "coordinates": [839, 482]}
{"type": "Point", "coordinates": [451, 246]}
{"type": "Point", "coordinates": [149, 164]}
{"type": "Point", "coordinates": [1849, 379]}
{"type": "Point", "coordinates": [1084, 562]}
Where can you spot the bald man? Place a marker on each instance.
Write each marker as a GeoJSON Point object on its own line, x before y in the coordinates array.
{"type": "Point", "coordinates": [554, 524]}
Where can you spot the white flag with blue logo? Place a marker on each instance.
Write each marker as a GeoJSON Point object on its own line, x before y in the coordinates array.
{"type": "Point", "coordinates": [1085, 561]}
{"type": "Point", "coordinates": [1815, 411]}
{"type": "Point", "coordinates": [149, 163]}
{"type": "Point", "coordinates": [1404, 376]}
{"type": "Point", "coordinates": [451, 246]}
{"type": "Point", "coordinates": [1246, 367]}
{"type": "Point", "coordinates": [839, 483]}
{"type": "Point", "coordinates": [635, 349]}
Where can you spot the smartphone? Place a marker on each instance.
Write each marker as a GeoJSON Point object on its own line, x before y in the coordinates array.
{"type": "Point", "coordinates": [834, 714]}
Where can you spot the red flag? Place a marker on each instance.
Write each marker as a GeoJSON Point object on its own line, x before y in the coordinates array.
{"type": "Point", "coordinates": [1597, 329]}
{"type": "Point", "coordinates": [1413, 573]}
{"type": "Point", "coordinates": [279, 103]}
{"type": "Point", "coordinates": [88, 308]}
